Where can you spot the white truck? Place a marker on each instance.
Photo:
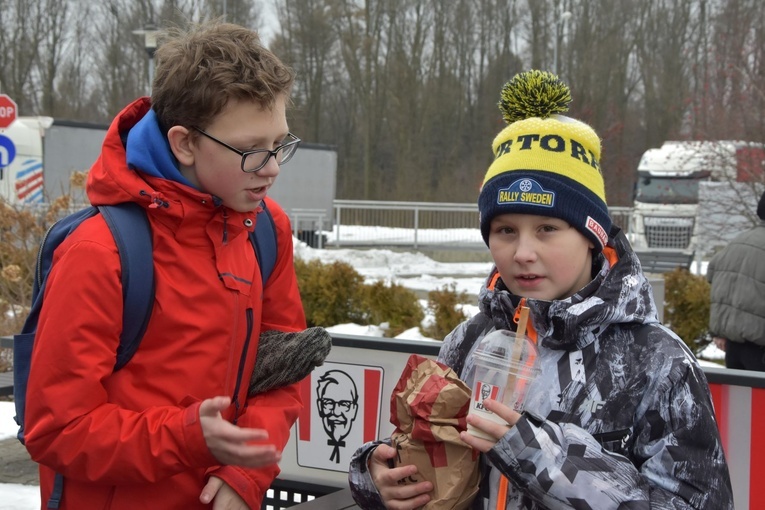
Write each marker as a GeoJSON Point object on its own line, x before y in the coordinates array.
{"type": "Point", "coordinates": [667, 214]}
{"type": "Point", "coordinates": [39, 154]}
{"type": "Point", "coordinates": [306, 188]}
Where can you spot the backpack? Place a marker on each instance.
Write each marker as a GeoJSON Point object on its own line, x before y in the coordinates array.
{"type": "Point", "coordinates": [130, 227]}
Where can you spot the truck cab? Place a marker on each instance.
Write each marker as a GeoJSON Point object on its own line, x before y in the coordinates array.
{"type": "Point", "coordinates": [666, 204]}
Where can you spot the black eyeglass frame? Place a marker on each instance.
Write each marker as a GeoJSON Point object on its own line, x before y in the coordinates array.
{"type": "Point", "coordinates": [294, 142]}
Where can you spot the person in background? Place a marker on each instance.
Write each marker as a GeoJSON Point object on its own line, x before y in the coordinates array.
{"type": "Point", "coordinates": [620, 415]}
{"type": "Point", "coordinates": [175, 428]}
{"type": "Point", "coordinates": [737, 305]}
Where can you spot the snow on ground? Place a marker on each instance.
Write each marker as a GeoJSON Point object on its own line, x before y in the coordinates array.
{"type": "Point", "coordinates": [14, 496]}
{"type": "Point", "coordinates": [410, 269]}
{"type": "Point", "coordinates": [7, 425]}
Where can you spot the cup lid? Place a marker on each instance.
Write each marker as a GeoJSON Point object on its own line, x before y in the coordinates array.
{"type": "Point", "coordinates": [501, 347]}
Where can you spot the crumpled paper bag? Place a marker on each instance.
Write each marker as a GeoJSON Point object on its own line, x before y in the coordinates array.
{"type": "Point", "coordinates": [429, 408]}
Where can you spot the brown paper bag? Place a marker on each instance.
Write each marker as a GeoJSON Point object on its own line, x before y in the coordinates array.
{"type": "Point", "coordinates": [429, 406]}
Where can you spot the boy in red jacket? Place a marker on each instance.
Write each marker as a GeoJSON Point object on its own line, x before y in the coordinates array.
{"type": "Point", "coordinates": [176, 427]}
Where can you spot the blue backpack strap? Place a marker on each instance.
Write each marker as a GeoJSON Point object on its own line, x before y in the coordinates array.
{"type": "Point", "coordinates": [132, 234]}
{"type": "Point", "coordinates": [58, 490]}
{"type": "Point", "coordinates": [263, 238]}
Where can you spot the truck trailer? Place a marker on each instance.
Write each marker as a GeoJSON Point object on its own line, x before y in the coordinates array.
{"type": "Point", "coordinates": [666, 212]}
{"type": "Point", "coordinates": [306, 188]}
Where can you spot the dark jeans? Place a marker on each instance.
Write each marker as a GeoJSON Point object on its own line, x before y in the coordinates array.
{"type": "Point", "coordinates": [744, 356]}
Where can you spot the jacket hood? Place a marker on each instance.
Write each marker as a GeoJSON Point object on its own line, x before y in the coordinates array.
{"type": "Point", "coordinates": [136, 165]}
{"type": "Point", "coordinates": [148, 150]}
{"type": "Point", "coordinates": [619, 294]}
{"type": "Point", "coordinates": [109, 180]}
{"type": "Point", "coordinates": [134, 141]}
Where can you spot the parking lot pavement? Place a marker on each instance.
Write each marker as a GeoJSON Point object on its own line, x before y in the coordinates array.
{"type": "Point", "coordinates": [16, 465]}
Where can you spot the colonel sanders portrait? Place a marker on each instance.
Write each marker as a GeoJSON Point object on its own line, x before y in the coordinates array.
{"type": "Point", "coordinates": [485, 391]}
{"type": "Point", "coordinates": [337, 401]}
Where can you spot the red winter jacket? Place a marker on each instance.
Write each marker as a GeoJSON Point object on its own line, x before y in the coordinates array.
{"type": "Point", "coordinates": [132, 439]}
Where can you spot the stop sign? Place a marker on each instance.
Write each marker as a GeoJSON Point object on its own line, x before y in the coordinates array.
{"type": "Point", "coordinates": [7, 111]}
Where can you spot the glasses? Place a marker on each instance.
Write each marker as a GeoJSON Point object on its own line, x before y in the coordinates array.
{"type": "Point", "coordinates": [256, 159]}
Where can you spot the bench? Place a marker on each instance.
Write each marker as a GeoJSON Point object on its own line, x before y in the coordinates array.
{"type": "Point", "coordinates": [658, 260]}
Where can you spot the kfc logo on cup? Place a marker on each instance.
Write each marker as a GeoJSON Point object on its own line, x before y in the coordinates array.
{"type": "Point", "coordinates": [341, 412]}
{"type": "Point", "coordinates": [482, 392]}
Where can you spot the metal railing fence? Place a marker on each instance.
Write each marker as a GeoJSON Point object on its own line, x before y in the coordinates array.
{"type": "Point", "coordinates": [364, 223]}
{"type": "Point", "coordinates": [414, 224]}
{"type": "Point", "coordinates": [371, 222]}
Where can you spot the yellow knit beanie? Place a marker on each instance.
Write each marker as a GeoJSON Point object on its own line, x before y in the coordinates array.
{"type": "Point", "coordinates": [545, 163]}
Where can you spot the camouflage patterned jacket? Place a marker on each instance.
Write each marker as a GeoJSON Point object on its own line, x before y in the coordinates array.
{"type": "Point", "coordinates": [620, 417]}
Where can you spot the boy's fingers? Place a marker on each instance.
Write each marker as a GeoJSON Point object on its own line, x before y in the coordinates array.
{"type": "Point", "coordinates": [210, 490]}
{"type": "Point", "coordinates": [383, 452]}
{"type": "Point", "coordinates": [494, 430]}
{"type": "Point", "coordinates": [404, 492]}
{"type": "Point", "coordinates": [399, 487]}
{"type": "Point", "coordinates": [482, 445]}
{"type": "Point", "coordinates": [249, 456]}
{"type": "Point", "coordinates": [394, 475]}
{"type": "Point", "coordinates": [501, 410]}
{"type": "Point", "coordinates": [488, 426]}
{"type": "Point", "coordinates": [238, 435]}
{"type": "Point", "coordinates": [212, 406]}
{"type": "Point", "coordinates": [406, 497]}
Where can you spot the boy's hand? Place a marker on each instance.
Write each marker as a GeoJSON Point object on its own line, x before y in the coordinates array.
{"type": "Point", "coordinates": [395, 495]}
{"type": "Point", "coordinates": [495, 430]}
{"type": "Point", "coordinates": [222, 496]}
{"type": "Point", "coordinates": [229, 444]}
{"type": "Point", "coordinates": [720, 342]}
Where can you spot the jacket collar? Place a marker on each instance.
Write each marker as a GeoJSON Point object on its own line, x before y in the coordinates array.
{"type": "Point", "coordinates": [619, 294]}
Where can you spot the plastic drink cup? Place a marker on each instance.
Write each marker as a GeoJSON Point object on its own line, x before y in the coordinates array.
{"type": "Point", "coordinates": [504, 365]}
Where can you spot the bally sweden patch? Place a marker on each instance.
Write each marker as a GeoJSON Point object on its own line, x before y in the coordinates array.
{"type": "Point", "coordinates": [526, 191]}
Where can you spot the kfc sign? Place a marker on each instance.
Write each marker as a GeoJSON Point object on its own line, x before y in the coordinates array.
{"type": "Point", "coordinates": [341, 411]}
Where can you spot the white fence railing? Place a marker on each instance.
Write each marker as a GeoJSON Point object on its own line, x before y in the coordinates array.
{"type": "Point", "coordinates": [366, 223]}
{"type": "Point", "coordinates": [360, 223]}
